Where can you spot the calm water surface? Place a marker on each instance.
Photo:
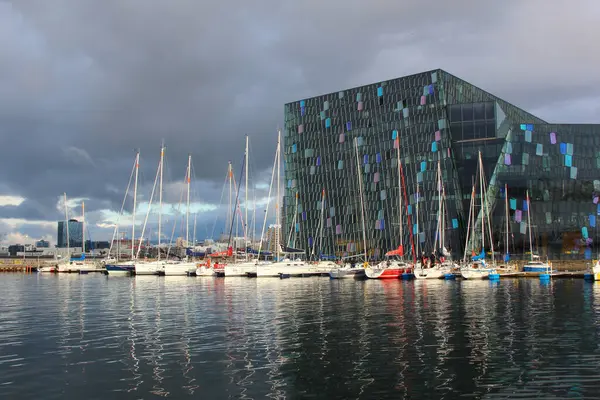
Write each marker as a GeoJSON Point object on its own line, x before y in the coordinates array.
{"type": "Point", "coordinates": [98, 337]}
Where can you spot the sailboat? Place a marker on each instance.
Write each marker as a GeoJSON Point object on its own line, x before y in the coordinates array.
{"type": "Point", "coordinates": [184, 267]}
{"type": "Point", "coordinates": [153, 267]}
{"type": "Point", "coordinates": [477, 268]}
{"type": "Point", "coordinates": [395, 267]}
{"type": "Point", "coordinates": [127, 267]}
{"type": "Point", "coordinates": [440, 270]}
{"type": "Point", "coordinates": [506, 267]}
{"type": "Point", "coordinates": [349, 270]}
{"type": "Point", "coordinates": [242, 268]}
{"type": "Point", "coordinates": [81, 264]}
{"type": "Point", "coordinates": [286, 266]}
{"type": "Point", "coordinates": [534, 265]}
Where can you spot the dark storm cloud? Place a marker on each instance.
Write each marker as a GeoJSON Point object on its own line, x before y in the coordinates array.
{"type": "Point", "coordinates": [83, 83]}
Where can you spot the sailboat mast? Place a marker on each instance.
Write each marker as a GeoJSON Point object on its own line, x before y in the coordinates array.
{"type": "Point", "coordinates": [67, 223]}
{"type": "Point", "coordinates": [481, 190]}
{"type": "Point", "coordinates": [506, 214]}
{"type": "Point", "coordinates": [82, 227]}
{"type": "Point", "coordinates": [362, 208]}
{"type": "Point", "coordinates": [194, 233]}
{"type": "Point", "coordinates": [135, 184]}
{"type": "Point", "coordinates": [187, 210]}
{"type": "Point", "coordinates": [417, 215]}
{"type": "Point", "coordinates": [321, 227]}
{"type": "Point", "coordinates": [246, 202]}
{"type": "Point", "coordinates": [229, 210]}
{"type": "Point", "coordinates": [529, 224]}
{"type": "Point", "coordinates": [160, 197]}
{"type": "Point", "coordinates": [277, 211]}
{"type": "Point", "coordinates": [400, 200]}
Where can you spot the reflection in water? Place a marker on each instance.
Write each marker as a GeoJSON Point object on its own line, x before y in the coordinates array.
{"type": "Point", "coordinates": [91, 337]}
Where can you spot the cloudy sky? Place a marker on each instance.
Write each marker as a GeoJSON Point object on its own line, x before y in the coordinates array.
{"type": "Point", "coordinates": [84, 82]}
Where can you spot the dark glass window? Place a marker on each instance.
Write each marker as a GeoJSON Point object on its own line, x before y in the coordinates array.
{"type": "Point", "coordinates": [490, 129]}
{"type": "Point", "coordinates": [479, 130]}
{"type": "Point", "coordinates": [489, 110]}
{"type": "Point", "coordinates": [478, 111]}
{"type": "Point", "coordinates": [467, 112]}
{"type": "Point", "coordinates": [455, 114]}
{"type": "Point", "coordinates": [468, 131]}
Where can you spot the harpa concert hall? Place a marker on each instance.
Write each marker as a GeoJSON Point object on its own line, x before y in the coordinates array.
{"type": "Point", "coordinates": [342, 144]}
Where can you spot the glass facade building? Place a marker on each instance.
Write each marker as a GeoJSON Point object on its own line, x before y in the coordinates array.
{"type": "Point", "coordinates": [75, 234]}
{"type": "Point", "coordinates": [425, 120]}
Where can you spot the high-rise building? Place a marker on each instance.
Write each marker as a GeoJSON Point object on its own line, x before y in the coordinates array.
{"type": "Point", "coordinates": [75, 234]}
{"type": "Point", "coordinates": [424, 120]}
{"type": "Point", "coordinates": [42, 243]}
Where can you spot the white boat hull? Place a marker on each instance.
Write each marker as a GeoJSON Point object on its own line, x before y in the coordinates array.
{"type": "Point", "coordinates": [242, 269]}
{"type": "Point", "coordinates": [347, 273]}
{"type": "Point", "coordinates": [468, 273]}
{"type": "Point", "coordinates": [181, 269]}
{"type": "Point", "coordinates": [289, 268]}
{"type": "Point", "coordinates": [430, 273]}
{"type": "Point", "coordinates": [151, 268]}
{"type": "Point", "coordinates": [205, 271]}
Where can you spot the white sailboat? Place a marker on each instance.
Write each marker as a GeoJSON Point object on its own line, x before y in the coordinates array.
{"type": "Point", "coordinates": [114, 266]}
{"type": "Point", "coordinates": [247, 266]}
{"type": "Point", "coordinates": [84, 265]}
{"type": "Point", "coordinates": [356, 271]}
{"type": "Point", "coordinates": [440, 270]}
{"type": "Point", "coordinates": [477, 268]}
{"type": "Point", "coordinates": [154, 267]}
{"type": "Point", "coordinates": [535, 264]}
{"type": "Point", "coordinates": [184, 267]}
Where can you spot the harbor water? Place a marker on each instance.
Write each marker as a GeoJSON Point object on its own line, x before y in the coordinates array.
{"type": "Point", "coordinates": [99, 337]}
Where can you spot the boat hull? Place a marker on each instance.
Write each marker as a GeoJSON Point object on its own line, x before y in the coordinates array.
{"type": "Point", "coordinates": [205, 271]}
{"type": "Point", "coordinates": [119, 269]}
{"type": "Point", "coordinates": [535, 268]}
{"type": "Point", "coordinates": [179, 269]}
{"type": "Point", "coordinates": [474, 274]}
{"type": "Point", "coordinates": [347, 273]}
{"type": "Point", "coordinates": [383, 273]}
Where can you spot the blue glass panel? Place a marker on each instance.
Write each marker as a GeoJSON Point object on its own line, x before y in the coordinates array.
{"type": "Point", "coordinates": [302, 103]}
{"type": "Point", "coordinates": [409, 209]}
{"type": "Point", "coordinates": [302, 110]}
{"type": "Point", "coordinates": [382, 224]}
{"type": "Point", "coordinates": [322, 115]}
{"type": "Point", "coordinates": [584, 232]}
{"type": "Point", "coordinates": [378, 158]}
{"type": "Point", "coordinates": [423, 165]}
{"type": "Point", "coordinates": [294, 148]}
{"type": "Point", "coordinates": [528, 136]}
{"type": "Point", "coordinates": [328, 123]}
{"type": "Point", "coordinates": [340, 164]}
{"type": "Point", "coordinates": [349, 126]}
{"type": "Point", "coordinates": [513, 204]}
{"type": "Point", "coordinates": [593, 221]}
{"type": "Point", "coordinates": [430, 89]}
{"type": "Point", "coordinates": [415, 227]}
{"type": "Point", "coordinates": [454, 223]}
{"type": "Point", "coordinates": [524, 205]}
{"type": "Point", "coordinates": [303, 215]}
{"type": "Point", "coordinates": [570, 149]}
{"type": "Point", "coordinates": [563, 148]}
{"type": "Point", "coordinates": [297, 226]}
{"type": "Point", "coordinates": [366, 159]}
{"type": "Point", "coordinates": [394, 134]}
{"type": "Point", "coordinates": [318, 161]}
{"type": "Point", "coordinates": [310, 241]}
{"type": "Point", "coordinates": [379, 91]}
{"type": "Point", "coordinates": [523, 127]}
{"type": "Point", "coordinates": [568, 161]}
{"type": "Point", "coordinates": [434, 147]}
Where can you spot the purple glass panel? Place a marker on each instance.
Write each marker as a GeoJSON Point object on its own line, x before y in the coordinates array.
{"type": "Point", "coordinates": [338, 229]}
{"type": "Point", "coordinates": [318, 161]}
{"type": "Point", "coordinates": [518, 215]}
{"type": "Point", "coordinates": [349, 125]}
{"type": "Point", "coordinates": [300, 128]}
{"type": "Point", "coordinates": [438, 136]}
{"type": "Point", "coordinates": [376, 177]}
{"type": "Point", "coordinates": [360, 106]}
{"type": "Point", "coordinates": [507, 160]}
{"type": "Point", "coordinates": [423, 100]}
{"type": "Point", "coordinates": [553, 137]}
